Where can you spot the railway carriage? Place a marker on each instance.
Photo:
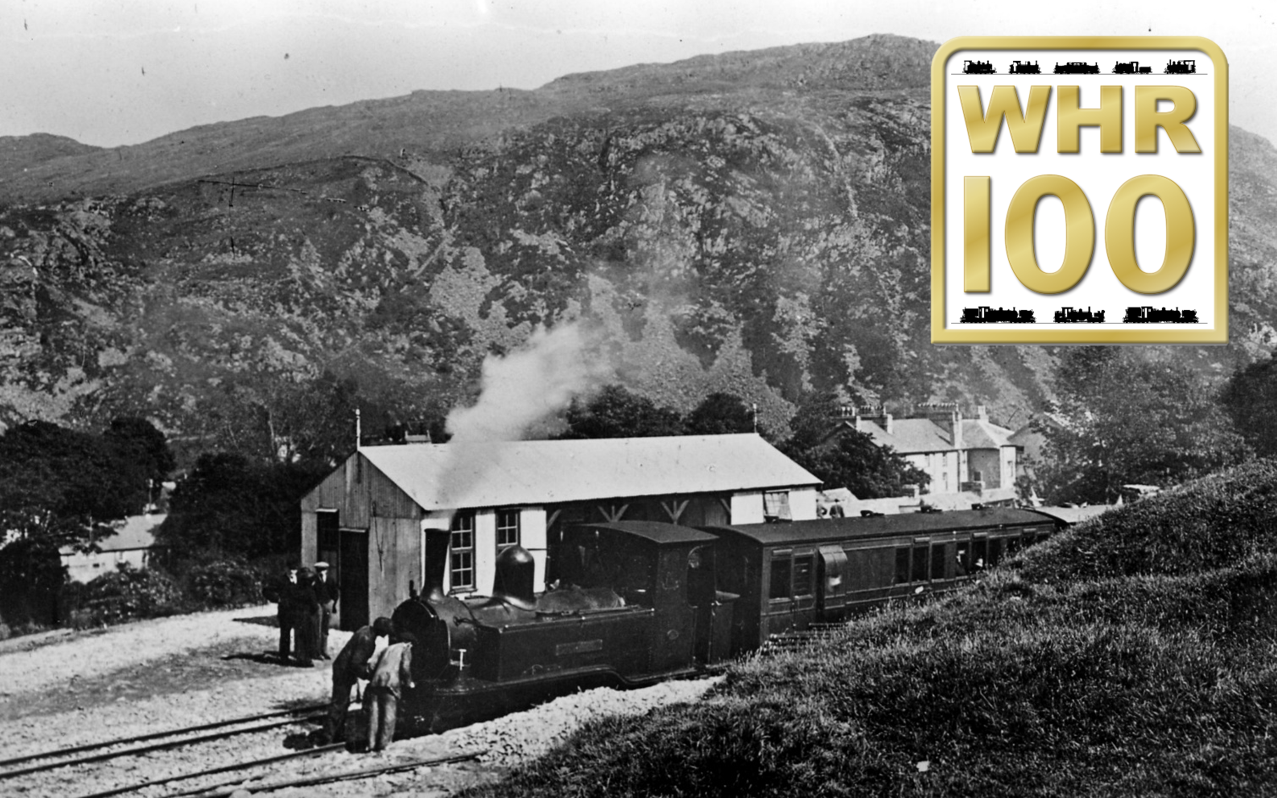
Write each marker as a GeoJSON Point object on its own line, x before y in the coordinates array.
{"type": "Point", "coordinates": [790, 576]}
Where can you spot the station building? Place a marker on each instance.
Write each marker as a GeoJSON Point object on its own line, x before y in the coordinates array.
{"type": "Point", "coordinates": [368, 518]}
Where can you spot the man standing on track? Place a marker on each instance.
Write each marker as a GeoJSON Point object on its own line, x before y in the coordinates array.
{"type": "Point", "coordinates": [351, 665]}
{"type": "Point", "coordinates": [327, 592]}
{"type": "Point", "coordinates": [381, 699]}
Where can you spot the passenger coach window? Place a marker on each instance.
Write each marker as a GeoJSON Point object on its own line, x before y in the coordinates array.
{"type": "Point", "coordinates": [902, 566]}
{"type": "Point", "coordinates": [938, 558]}
{"type": "Point", "coordinates": [802, 576]}
{"type": "Point", "coordinates": [995, 551]}
{"type": "Point", "coordinates": [919, 572]}
{"type": "Point", "coordinates": [782, 573]}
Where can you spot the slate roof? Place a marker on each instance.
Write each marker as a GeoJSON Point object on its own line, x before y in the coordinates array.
{"type": "Point", "coordinates": [495, 474]}
{"type": "Point", "coordinates": [137, 532]}
{"type": "Point", "coordinates": [922, 435]}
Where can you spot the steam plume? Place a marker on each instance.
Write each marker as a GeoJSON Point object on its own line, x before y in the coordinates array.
{"type": "Point", "coordinates": [518, 392]}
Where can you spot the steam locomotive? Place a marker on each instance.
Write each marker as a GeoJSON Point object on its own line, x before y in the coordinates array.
{"type": "Point", "coordinates": [1025, 68]}
{"type": "Point", "coordinates": [639, 602]}
{"type": "Point", "coordinates": [1149, 315]}
{"type": "Point", "coordinates": [987, 315]}
{"type": "Point", "coordinates": [1187, 66]}
{"type": "Point", "coordinates": [978, 68]}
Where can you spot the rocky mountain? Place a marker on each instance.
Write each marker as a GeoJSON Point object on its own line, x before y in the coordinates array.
{"type": "Point", "coordinates": [755, 222]}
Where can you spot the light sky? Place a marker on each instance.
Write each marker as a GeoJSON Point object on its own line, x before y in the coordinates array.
{"type": "Point", "coordinates": [127, 71]}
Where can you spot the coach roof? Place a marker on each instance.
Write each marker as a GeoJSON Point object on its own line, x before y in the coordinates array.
{"type": "Point", "coordinates": [817, 531]}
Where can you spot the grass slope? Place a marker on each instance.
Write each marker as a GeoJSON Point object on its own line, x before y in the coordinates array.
{"type": "Point", "coordinates": [1130, 656]}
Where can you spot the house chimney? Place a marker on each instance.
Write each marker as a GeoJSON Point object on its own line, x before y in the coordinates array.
{"type": "Point", "coordinates": [982, 412]}
{"type": "Point", "coordinates": [946, 416]}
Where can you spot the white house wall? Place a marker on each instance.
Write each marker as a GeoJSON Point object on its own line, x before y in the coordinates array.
{"type": "Point", "coordinates": [747, 508]}
{"type": "Point", "coordinates": [802, 504]}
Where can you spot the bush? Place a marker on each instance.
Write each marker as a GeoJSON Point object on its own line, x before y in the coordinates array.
{"type": "Point", "coordinates": [224, 583]}
{"type": "Point", "coordinates": [125, 595]}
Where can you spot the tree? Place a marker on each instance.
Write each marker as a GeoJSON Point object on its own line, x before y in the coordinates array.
{"type": "Point", "coordinates": [614, 412]}
{"type": "Point", "coordinates": [1249, 398]}
{"type": "Point", "coordinates": [229, 505]}
{"type": "Point", "coordinates": [145, 449]}
{"type": "Point", "coordinates": [1121, 419]}
{"type": "Point", "coordinates": [720, 414]}
{"type": "Point", "coordinates": [65, 486]}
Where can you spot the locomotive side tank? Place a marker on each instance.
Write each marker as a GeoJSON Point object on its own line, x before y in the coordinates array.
{"type": "Point", "coordinates": [636, 605]}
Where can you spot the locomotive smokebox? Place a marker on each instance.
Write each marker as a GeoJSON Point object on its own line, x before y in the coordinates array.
{"type": "Point", "coordinates": [516, 573]}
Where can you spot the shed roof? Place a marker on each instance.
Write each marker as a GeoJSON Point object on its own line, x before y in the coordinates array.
{"type": "Point", "coordinates": [831, 529]}
{"type": "Point", "coordinates": [494, 474]}
{"type": "Point", "coordinates": [1074, 515]}
{"type": "Point", "coordinates": [921, 435]}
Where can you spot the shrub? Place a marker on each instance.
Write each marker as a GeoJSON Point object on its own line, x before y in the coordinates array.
{"type": "Point", "coordinates": [125, 595]}
{"type": "Point", "coordinates": [224, 583]}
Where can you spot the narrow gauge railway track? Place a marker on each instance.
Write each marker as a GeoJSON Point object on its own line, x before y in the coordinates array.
{"type": "Point", "coordinates": [155, 741]}
{"type": "Point", "coordinates": [225, 788]}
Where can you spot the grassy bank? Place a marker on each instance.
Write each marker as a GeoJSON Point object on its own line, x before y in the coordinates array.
{"type": "Point", "coordinates": [1134, 655]}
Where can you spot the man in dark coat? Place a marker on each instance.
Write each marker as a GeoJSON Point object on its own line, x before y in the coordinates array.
{"type": "Point", "coordinates": [307, 617]}
{"type": "Point", "coordinates": [351, 665]}
{"type": "Point", "coordinates": [327, 592]}
{"type": "Point", "coordinates": [287, 597]}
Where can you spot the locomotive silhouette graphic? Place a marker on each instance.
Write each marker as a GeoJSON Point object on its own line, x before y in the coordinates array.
{"type": "Point", "coordinates": [987, 315]}
{"type": "Point", "coordinates": [1151, 315]}
{"type": "Point", "coordinates": [1068, 315]}
{"type": "Point", "coordinates": [1131, 68]}
{"type": "Point", "coordinates": [1076, 68]}
{"type": "Point", "coordinates": [978, 68]}
{"type": "Point", "coordinates": [1187, 66]}
{"type": "Point", "coordinates": [1024, 68]}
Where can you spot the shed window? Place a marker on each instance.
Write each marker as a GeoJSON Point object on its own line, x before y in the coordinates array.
{"type": "Point", "coordinates": [782, 578]}
{"type": "Point", "coordinates": [462, 557]}
{"type": "Point", "coordinates": [776, 506]}
{"type": "Point", "coordinates": [507, 529]}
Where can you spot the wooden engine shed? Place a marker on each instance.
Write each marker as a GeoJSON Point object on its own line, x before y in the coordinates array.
{"type": "Point", "coordinates": [368, 518]}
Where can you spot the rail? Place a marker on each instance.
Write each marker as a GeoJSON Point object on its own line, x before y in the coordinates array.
{"type": "Point", "coordinates": [183, 733]}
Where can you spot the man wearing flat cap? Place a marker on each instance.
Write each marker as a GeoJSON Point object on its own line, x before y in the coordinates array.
{"type": "Point", "coordinates": [327, 592]}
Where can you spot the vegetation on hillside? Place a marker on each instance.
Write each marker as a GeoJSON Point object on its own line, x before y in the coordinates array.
{"type": "Point", "coordinates": [1131, 656]}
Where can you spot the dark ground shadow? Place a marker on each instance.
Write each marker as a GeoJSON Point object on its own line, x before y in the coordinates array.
{"type": "Point", "coordinates": [260, 620]}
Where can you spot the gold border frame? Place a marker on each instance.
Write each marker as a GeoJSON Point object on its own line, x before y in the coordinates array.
{"type": "Point", "coordinates": [1217, 334]}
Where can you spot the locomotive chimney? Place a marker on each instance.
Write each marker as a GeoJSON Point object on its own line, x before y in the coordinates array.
{"type": "Point", "coordinates": [516, 572]}
{"type": "Point", "coordinates": [436, 562]}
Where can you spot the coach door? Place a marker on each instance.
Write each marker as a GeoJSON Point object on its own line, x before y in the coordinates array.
{"type": "Point", "coordinates": [833, 578]}
{"type": "Point", "coordinates": [352, 579]}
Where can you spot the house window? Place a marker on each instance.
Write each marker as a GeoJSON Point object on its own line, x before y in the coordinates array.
{"type": "Point", "coordinates": [776, 506]}
{"type": "Point", "coordinates": [462, 556]}
{"type": "Point", "coordinates": [507, 529]}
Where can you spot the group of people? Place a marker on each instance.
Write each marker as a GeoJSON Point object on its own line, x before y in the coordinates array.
{"type": "Point", "coordinates": [386, 676]}
{"type": "Point", "coordinates": [307, 600]}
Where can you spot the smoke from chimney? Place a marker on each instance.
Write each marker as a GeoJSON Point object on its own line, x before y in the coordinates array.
{"type": "Point", "coordinates": [519, 392]}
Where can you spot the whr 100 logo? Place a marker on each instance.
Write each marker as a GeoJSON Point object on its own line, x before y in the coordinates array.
{"type": "Point", "coordinates": [1079, 191]}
